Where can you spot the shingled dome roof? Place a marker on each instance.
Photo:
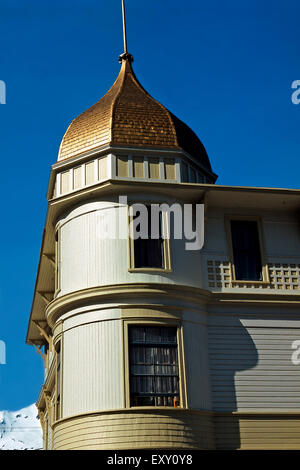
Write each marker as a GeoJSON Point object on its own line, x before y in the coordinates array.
{"type": "Point", "coordinates": [127, 116]}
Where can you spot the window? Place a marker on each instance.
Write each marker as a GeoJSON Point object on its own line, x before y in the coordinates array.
{"type": "Point", "coordinates": [58, 381]}
{"type": "Point", "coordinates": [184, 173]}
{"type": "Point", "coordinates": [149, 253]}
{"type": "Point", "coordinates": [47, 444]}
{"type": "Point", "coordinates": [246, 250]}
{"type": "Point", "coordinates": [153, 358]}
{"type": "Point", "coordinates": [57, 262]}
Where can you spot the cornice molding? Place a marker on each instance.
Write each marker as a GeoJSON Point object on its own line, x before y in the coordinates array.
{"type": "Point", "coordinates": [188, 411]}
{"type": "Point", "coordinates": [116, 292]}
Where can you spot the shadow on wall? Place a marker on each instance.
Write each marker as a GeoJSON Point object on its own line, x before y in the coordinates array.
{"type": "Point", "coordinates": [232, 350]}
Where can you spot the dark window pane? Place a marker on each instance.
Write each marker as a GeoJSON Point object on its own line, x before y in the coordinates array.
{"type": "Point", "coordinates": [149, 253]}
{"type": "Point", "coordinates": [154, 375]}
{"type": "Point", "coordinates": [58, 372]}
{"type": "Point", "coordinates": [246, 250]}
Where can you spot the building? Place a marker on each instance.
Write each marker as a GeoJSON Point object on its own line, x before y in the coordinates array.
{"type": "Point", "coordinates": [147, 344]}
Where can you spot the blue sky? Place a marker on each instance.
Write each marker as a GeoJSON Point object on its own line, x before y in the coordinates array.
{"type": "Point", "coordinates": [225, 68]}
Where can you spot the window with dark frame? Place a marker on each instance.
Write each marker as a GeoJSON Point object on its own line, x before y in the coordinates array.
{"type": "Point", "coordinates": [149, 253]}
{"type": "Point", "coordinates": [154, 374]}
{"type": "Point", "coordinates": [46, 433]}
{"type": "Point", "coordinates": [58, 384]}
{"type": "Point", "coordinates": [246, 250]}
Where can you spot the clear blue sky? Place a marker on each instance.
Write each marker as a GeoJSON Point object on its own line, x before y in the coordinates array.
{"type": "Point", "coordinates": [225, 68]}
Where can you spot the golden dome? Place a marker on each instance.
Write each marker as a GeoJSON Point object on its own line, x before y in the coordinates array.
{"type": "Point", "coordinates": [127, 116]}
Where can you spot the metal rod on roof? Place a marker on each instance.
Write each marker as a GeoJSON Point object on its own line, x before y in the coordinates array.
{"type": "Point", "coordinates": [124, 27]}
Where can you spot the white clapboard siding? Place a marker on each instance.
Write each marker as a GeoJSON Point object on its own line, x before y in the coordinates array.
{"type": "Point", "coordinates": [92, 368]}
{"type": "Point", "coordinates": [251, 367]}
{"type": "Point", "coordinates": [88, 259]}
{"type": "Point", "coordinates": [197, 368]}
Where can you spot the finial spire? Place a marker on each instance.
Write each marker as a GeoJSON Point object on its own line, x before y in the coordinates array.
{"type": "Point", "coordinates": [124, 27]}
{"type": "Point", "coordinates": [125, 55]}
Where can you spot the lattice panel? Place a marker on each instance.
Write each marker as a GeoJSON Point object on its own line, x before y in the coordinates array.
{"type": "Point", "coordinates": [282, 277]}
{"type": "Point", "coordinates": [218, 274]}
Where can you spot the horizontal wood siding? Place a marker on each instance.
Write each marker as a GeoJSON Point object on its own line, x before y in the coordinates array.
{"type": "Point", "coordinates": [130, 430]}
{"type": "Point", "coordinates": [281, 433]}
{"type": "Point", "coordinates": [251, 367]}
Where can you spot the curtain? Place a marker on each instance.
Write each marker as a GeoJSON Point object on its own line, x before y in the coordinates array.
{"type": "Point", "coordinates": [154, 376]}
